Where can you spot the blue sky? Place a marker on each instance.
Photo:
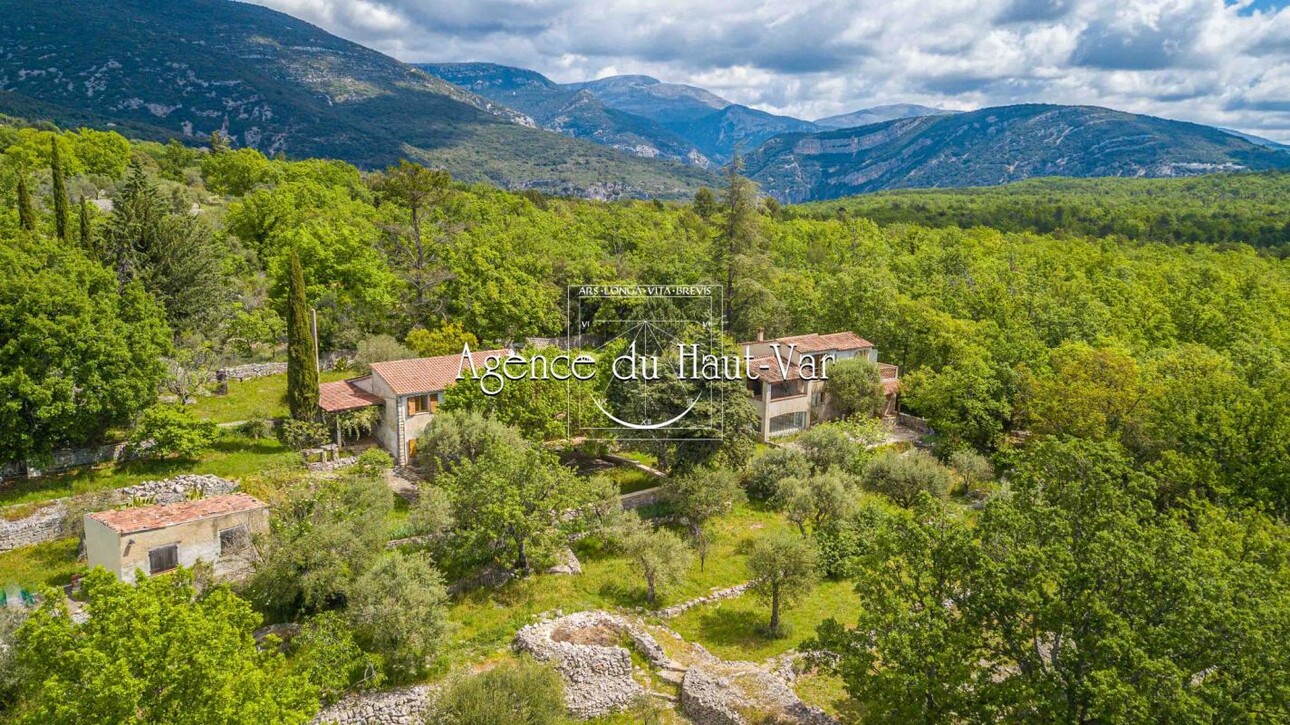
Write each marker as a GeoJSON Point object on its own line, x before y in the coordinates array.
{"type": "Point", "coordinates": [1209, 61]}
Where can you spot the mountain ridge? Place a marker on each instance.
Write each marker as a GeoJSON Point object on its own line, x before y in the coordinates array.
{"type": "Point", "coordinates": [878, 114]}
{"type": "Point", "coordinates": [997, 145]}
{"type": "Point", "coordinates": [279, 84]}
{"type": "Point", "coordinates": [564, 109]}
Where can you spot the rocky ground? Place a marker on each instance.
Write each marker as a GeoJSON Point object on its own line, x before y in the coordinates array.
{"type": "Point", "coordinates": [591, 651]}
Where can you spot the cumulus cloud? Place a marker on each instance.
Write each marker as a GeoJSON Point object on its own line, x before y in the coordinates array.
{"type": "Point", "coordinates": [1220, 62]}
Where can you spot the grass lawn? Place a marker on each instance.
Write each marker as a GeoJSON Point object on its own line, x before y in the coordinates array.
{"type": "Point", "coordinates": [397, 521]}
{"type": "Point", "coordinates": [733, 629]}
{"type": "Point", "coordinates": [52, 563]}
{"type": "Point", "coordinates": [257, 398]}
{"type": "Point", "coordinates": [829, 693]}
{"type": "Point", "coordinates": [631, 479]}
{"type": "Point", "coordinates": [232, 456]}
{"type": "Point", "coordinates": [648, 459]}
{"type": "Point", "coordinates": [486, 619]}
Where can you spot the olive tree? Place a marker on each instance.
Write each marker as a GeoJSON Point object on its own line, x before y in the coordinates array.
{"type": "Point", "coordinates": [698, 497]}
{"type": "Point", "coordinates": [783, 570]}
{"type": "Point", "coordinates": [658, 554]}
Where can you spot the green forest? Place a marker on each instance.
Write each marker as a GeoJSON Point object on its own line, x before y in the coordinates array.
{"type": "Point", "coordinates": [1096, 533]}
{"type": "Point", "coordinates": [1246, 208]}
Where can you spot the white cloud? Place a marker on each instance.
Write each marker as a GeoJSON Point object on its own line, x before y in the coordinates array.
{"type": "Point", "coordinates": [1207, 61]}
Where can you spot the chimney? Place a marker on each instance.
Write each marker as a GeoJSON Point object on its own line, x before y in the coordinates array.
{"type": "Point", "coordinates": [761, 334]}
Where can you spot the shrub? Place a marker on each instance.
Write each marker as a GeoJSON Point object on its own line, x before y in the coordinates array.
{"type": "Point", "coordinates": [301, 434]}
{"type": "Point", "coordinates": [327, 655]}
{"type": "Point", "coordinates": [165, 430]}
{"type": "Point", "coordinates": [379, 348]}
{"type": "Point", "coordinates": [902, 477]}
{"type": "Point", "coordinates": [454, 437]}
{"type": "Point", "coordinates": [397, 611]}
{"type": "Point", "coordinates": [828, 446]}
{"type": "Point", "coordinates": [372, 462]}
{"type": "Point", "coordinates": [526, 693]}
{"type": "Point", "coordinates": [256, 428]}
{"type": "Point", "coordinates": [855, 388]}
{"type": "Point", "coordinates": [776, 465]}
{"type": "Point", "coordinates": [432, 514]}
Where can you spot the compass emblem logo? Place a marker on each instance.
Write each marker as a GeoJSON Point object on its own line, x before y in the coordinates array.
{"type": "Point", "coordinates": [638, 333]}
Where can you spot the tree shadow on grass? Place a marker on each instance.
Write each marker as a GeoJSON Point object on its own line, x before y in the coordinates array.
{"type": "Point", "coordinates": [623, 594]}
{"type": "Point", "coordinates": [242, 444]}
{"type": "Point", "coordinates": [734, 628]}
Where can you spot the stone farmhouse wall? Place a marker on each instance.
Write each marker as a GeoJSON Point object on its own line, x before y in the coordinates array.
{"type": "Point", "coordinates": [46, 523]}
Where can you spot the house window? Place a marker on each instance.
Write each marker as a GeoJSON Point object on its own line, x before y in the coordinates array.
{"type": "Point", "coordinates": [418, 404]}
{"type": "Point", "coordinates": [788, 422]}
{"type": "Point", "coordinates": [786, 389]}
{"type": "Point", "coordinates": [163, 558]}
{"type": "Point", "coordinates": [234, 540]}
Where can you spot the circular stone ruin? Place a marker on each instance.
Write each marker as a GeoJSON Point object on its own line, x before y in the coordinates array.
{"type": "Point", "coordinates": [589, 649]}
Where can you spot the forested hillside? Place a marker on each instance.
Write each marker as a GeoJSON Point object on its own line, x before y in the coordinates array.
{"type": "Point", "coordinates": [968, 314]}
{"type": "Point", "coordinates": [1239, 208]}
{"type": "Point", "coordinates": [280, 85]}
{"type": "Point", "coordinates": [1109, 467]}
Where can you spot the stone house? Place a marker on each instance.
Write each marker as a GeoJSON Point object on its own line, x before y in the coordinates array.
{"type": "Point", "coordinates": [155, 539]}
{"type": "Point", "coordinates": [788, 401]}
{"type": "Point", "coordinates": [408, 391]}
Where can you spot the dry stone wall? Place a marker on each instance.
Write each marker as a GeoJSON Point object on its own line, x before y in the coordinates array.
{"type": "Point", "coordinates": [67, 459]}
{"type": "Point", "coordinates": [44, 525]}
{"type": "Point", "coordinates": [584, 648]}
{"type": "Point", "coordinates": [402, 706]}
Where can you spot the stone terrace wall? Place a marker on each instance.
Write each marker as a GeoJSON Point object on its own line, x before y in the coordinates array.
{"type": "Point", "coordinates": [250, 371]}
{"type": "Point", "coordinates": [402, 706]}
{"type": "Point", "coordinates": [67, 459]}
{"type": "Point", "coordinates": [46, 523]}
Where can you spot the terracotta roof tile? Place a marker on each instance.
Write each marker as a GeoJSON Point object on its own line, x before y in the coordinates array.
{"type": "Point", "coordinates": [428, 374]}
{"type": "Point", "coordinates": [845, 341]}
{"type": "Point", "coordinates": [813, 342]}
{"type": "Point", "coordinates": [157, 516]}
{"type": "Point", "coordinates": [771, 372]}
{"type": "Point", "coordinates": [345, 395]}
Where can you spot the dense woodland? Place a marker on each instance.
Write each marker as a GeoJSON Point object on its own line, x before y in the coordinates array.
{"type": "Point", "coordinates": [1118, 393]}
{"type": "Point", "coordinates": [1247, 208]}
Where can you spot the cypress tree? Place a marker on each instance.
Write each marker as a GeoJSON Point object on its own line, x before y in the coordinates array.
{"type": "Point", "coordinates": [87, 240]}
{"type": "Point", "coordinates": [62, 227]}
{"type": "Point", "coordinates": [302, 360]}
{"type": "Point", "coordinates": [26, 210]}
